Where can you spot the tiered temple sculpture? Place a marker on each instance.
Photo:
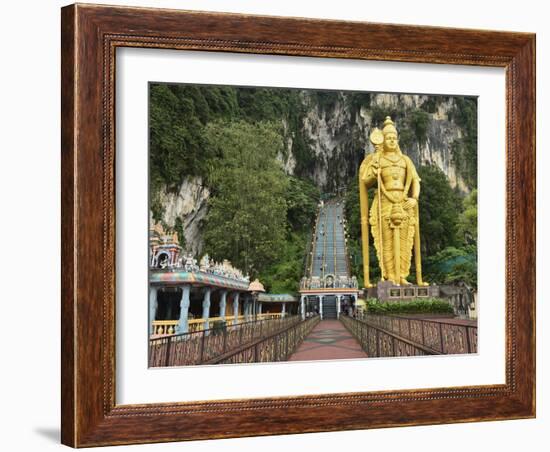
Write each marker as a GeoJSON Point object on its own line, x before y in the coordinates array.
{"type": "Point", "coordinates": [186, 295]}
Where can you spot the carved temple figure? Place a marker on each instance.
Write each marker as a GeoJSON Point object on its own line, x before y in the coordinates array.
{"type": "Point", "coordinates": [393, 216]}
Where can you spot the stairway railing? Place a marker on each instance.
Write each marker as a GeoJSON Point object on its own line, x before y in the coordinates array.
{"type": "Point", "coordinates": [324, 246]}
{"type": "Point", "coordinates": [334, 250]}
{"type": "Point", "coordinates": [444, 337]}
{"type": "Point", "coordinates": [276, 347]}
{"type": "Point", "coordinates": [378, 342]}
{"type": "Point", "coordinates": [203, 346]}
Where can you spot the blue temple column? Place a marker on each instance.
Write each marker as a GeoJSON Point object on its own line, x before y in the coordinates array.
{"type": "Point", "coordinates": [283, 312]}
{"type": "Point", "coordinates": [206, 308]}
{"type": "Point", "coordinates": [236, 308]}
{"type": "Point", "coordinates": [183, 322]}
{"type": "Point", "coordinates": [153, 304]}
{"type": "Point", "coordinates": [246, 309]}
{"type": "Point", "coordinates": [338, 307]}
{"type": "Point", "coordinates": [259, 307]}
{"type": "Point", "coordinates": [303, 307]}
{"type": "Point", "coordinates": [321, 306]}
{"type": "Point", "coordinates": [223, 303]}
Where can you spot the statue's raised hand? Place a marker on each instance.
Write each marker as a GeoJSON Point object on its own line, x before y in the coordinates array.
{"type": "Point", "coordinates": [410, 203]}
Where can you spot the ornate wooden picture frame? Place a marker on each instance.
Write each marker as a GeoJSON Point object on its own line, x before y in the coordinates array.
{"type": "Point", "coordinates": [90, 37]}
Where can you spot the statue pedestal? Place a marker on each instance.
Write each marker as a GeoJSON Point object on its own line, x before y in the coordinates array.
{"type": "Point", "coordinates": [387, 291]}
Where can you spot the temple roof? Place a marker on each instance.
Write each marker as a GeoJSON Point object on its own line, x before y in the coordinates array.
{"type": "Point", "coordinates": [164, 277]}
{"type": "Point", "coordinates": [256, 286]}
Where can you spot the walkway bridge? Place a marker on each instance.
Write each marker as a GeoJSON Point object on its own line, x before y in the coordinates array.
{"type": "Point", "coordinates": [328, 287]}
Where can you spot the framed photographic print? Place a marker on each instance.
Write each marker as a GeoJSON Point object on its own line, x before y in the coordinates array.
{"type": "Point", "coordinates": [278, 225]}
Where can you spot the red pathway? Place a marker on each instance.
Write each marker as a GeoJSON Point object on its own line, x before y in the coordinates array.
{"type": "Point", "coordinates": [328, 340]}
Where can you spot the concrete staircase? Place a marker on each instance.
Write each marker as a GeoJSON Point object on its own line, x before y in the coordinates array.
{"type": "Point", "coordinates": [329, 307]}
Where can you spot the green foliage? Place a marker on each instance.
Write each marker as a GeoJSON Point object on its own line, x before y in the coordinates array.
{"type": "Point", "coordinates": [303, 153]}
{"type": "Point", "coordinates": [406, 139]}
{"type": "Point", "coordinates": [424, 306]}
{"type": "Point", "coordinates": [246, 221]}
{"type": "Point", "coordinates": [378, 114]}
{"type": "Point", "coordinates": [430, 104]}
{"type": "Point", "coordinates": [264, 104]}
{"type": "Point", "coordinates": [359, 100]}
{"type": "Point", "coordinates": [419, 121]}
{"type": "Point", "coordinates": [302, 197]}
{"type": "Point", "coordinates": [327, 99]}
{"type": "Point", "coordinates": [439, 207]}
{"type": "Point", "coordinates": [156, 206]}
{"type": "Point", "coordinates": [452, 265]}
{"type": "Point", "coordinates": [467, 220]}
{"type": "Point", "coordinates": [177, 115]}
{"type": "Point", "coordinates": [464, 150]}
{"type": "Point", "coordinates": [178, 227]}
{"type": "Point", "coordinates": [284, 275]}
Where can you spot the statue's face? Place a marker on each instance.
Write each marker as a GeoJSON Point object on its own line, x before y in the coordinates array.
{"type": "Point", "coordinates": [390, 141]}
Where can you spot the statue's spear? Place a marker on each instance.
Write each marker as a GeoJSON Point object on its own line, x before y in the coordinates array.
{"type": "Point", "coordinates": [377, 138]}
{"type": "Point", "coordinates": [364, 206]}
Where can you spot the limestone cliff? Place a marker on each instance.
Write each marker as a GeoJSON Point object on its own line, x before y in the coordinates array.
{"type": "Point", "coordinates": [189, 204]}
{"type": "Point", "coordinates": [335, 128]}
{"type": "Point", "coordinates": [338, 133]}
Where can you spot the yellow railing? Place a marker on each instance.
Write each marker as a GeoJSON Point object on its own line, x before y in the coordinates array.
{"type": "Point", "coordinates": [166, 327]}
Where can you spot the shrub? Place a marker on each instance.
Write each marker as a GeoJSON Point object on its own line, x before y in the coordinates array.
{"type": "Point", "coordinates": [424, 306]}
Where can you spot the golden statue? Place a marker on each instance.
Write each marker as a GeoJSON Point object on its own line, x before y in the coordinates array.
{"type": "Point", "coordinates": [393, 216]}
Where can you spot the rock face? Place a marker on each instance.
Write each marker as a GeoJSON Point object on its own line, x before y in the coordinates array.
{"type": "Point", "coordinates": [337, 134]}
{"type": "Point", "coordinates": [190, 204]}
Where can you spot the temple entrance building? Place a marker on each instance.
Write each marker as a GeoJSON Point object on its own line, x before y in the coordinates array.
{"type": "Point", "coordinates": [328, 288]}
{"type": "Point", "coordinates": [186, 296]}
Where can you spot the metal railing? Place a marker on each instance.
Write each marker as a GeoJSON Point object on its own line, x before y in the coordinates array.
{"type": "Point", "coordinates": [377, 342]}
{"type": "Point", "coordinates": [277, 347]}
{"type": "Point", "coordinates": [310, 249]}
{"type": "Point", "coordinates": [444, 337]}
{"type": "Point", "coordinates": [201, 346]}
{"type": "Point", "coordinates": [169, 327]}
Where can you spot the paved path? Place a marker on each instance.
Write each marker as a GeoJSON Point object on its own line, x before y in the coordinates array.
{"type": "Point", "coordinates": [328, 340]}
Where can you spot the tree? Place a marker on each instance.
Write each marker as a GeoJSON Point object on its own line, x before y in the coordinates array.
{"type": "Point", "coordinates": [467, 221]}
{"type": "Point", "coordinates": [439, 208]}
{"type": "Point", "coordinates": [452, 265]}
{"type": "Point", "coordinates": [247, 210]}
{"type": "Point", "coordinates": [302, 197]}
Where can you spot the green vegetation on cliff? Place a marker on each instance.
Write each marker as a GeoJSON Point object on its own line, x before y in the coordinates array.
{"type": "Point", "coordinates": [179, 114]}
{"type": "Point", "coordinates": [465, 149]}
